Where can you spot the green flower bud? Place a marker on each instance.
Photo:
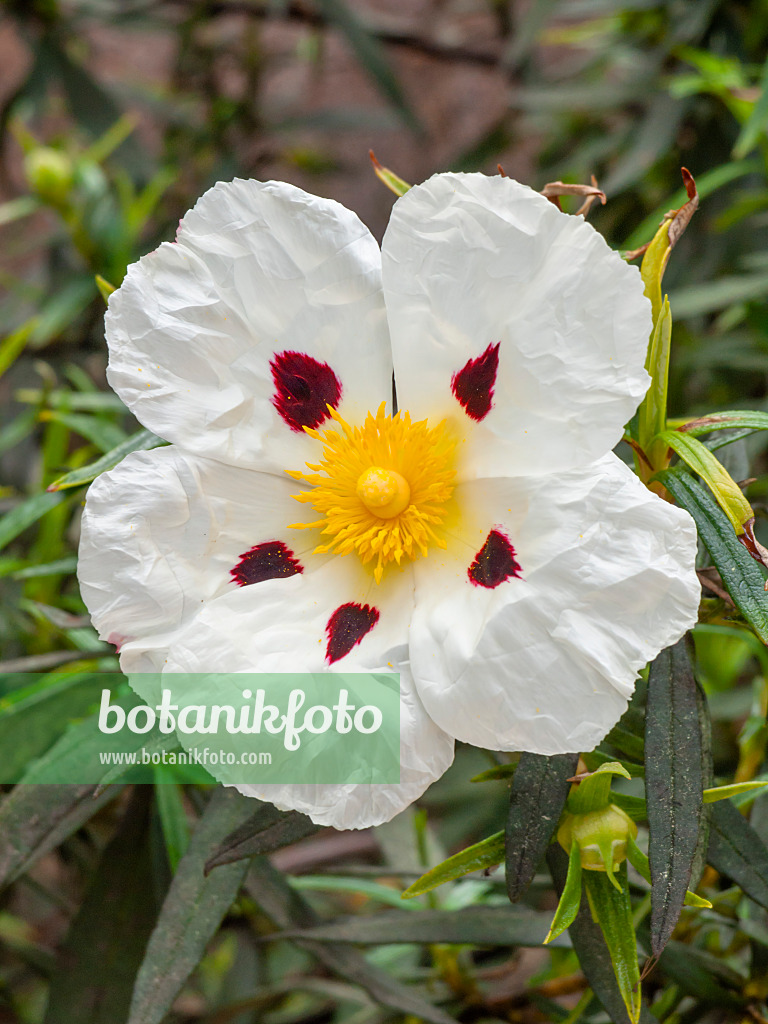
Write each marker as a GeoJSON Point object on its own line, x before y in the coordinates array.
{"type": "Point", "coordinates": [601, 837]}
{"type": "Point", "coordinates": [50, 174]}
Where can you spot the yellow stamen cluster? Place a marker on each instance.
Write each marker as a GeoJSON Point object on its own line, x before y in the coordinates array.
{"type": "Point", "coordinates": [382, 489]}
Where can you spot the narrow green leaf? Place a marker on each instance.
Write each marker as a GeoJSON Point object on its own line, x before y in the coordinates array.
{"type": "Point", "coordinates": [730, 419]}
{"type": "Point", "coordinates": [711, 796]}
{"type": "Point", "coordinates": [500, 771]}
{"type": "Point", "coordinates": [485, 854]}
{"type": "Point", "coordinates": [539, 791]}
{"type": "Point", "coordinates": [34, 717]}
{"type": "Point", "coordinates": [289, 910]}
{"type": "Point", "coordinates": [570, 899]}
{"type": "Point", "coordinates": [613, 909]}
{"type": "Point", "coordinates": [173, 816]}
{"type": "Point", "coordinates": [372, 57]}
{"type": "Point", "coordinates": [740, 573]}
{"type": "Point", "coordinates": [65, 565]}
{"type": "Point", "coordinates": [105, 288]}
{"type": "Point", "coordinates": [101, 432]}
{"type": "Point", "coordinates": [756, 124]}
{"type": "Point", "coordinates": [736, 850]}
{"type": "Point", "coordinates": [642, 866]}
{"type": "Point", "coordinates": [15, 209]}
{"type": "Point", "coordinates": [590, 947]}
{"type": "Point", "coordinates": [142, 440]}
{"type": "Point", "coordinates": [653, 408]}
{"type": "Point", "coordinates": [482, 926]}
{"type": "Point", "coordinates": [698, 973]}
{"type": "Point", "coordinates": [13, 344]}
{"type": "Point", "coordinates": [264, 832]}
{"type": "Point", "coordinates": [191, 913]}
{"type": "Point", "coordinates": [35, 819]}
{"type": "Point", "coordinates": [634, 806]}
{"type": "Point", "coordinates": [673, 786]}
{"type": "Point", "coordinates": [25, 514]}
{"type": "Point", "coordinates": [729, 495]}
{"type": "Point", "coordinates": [98, 961]}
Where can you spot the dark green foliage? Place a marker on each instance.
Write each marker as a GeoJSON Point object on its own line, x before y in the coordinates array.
{"type": "Point", "coordinates": [673, 786]}
{"type": "Point", "coordinates": [539, 789]}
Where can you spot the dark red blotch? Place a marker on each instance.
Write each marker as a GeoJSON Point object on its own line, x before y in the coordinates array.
{"type": "Point", "coordinates": [304, 388]}
{"type": "Point", "coordinates": [269, 561]}
{"type": "Point", "coordinates": [347, 627]}
{"type": "Point", "coordinates": [494, 563]}
{"type": "Point", "coordinates": [473, 384]}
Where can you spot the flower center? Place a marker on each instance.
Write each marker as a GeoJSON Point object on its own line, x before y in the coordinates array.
{"type": "Point", "coordinates": [384, 492]}
{"type": "Point", "coordinates": [383, 489]}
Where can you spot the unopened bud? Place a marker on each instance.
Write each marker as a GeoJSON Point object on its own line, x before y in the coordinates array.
{"type": "Point", "coordinates": [601, 837]}
{"type": "Point", "coordinates": [50, 174]}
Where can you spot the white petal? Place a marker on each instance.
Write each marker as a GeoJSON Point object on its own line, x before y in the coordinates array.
{"type": "Point", "coordinates": [161, 532]}
{"type": "Point", "coordinates": [279, 626]}
{"type": "Point", "coordinates": [547, 662]}
{"type": "Point", "coordinates": [471, 262]}
{"type": "Point", "coordinates": [258, 269]}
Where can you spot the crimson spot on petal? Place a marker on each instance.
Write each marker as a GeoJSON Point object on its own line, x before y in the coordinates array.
{"type": "Point", "coordinates": [269, 561]}
{"type": "Point", "coordinates": [494, 563]}
{"type": "Point", "coordinates": [473, 384]}
{"type": "Point", "coordinates": [304, 388]}
{"type": "Point", "coordinates": [347, 627]}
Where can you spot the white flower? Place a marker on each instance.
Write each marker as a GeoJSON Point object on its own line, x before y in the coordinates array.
{"type": "Point", "coordinates": [498, 556]}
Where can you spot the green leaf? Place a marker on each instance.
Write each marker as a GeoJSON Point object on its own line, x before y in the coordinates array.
{"type": "Point", "coordinates": [539, 791]}
{"type": "Point", "coordinates": [485, 854]}
{"type": "Point", "coordinates": [739, 571]}
{"type": "Point", "coordinates": [673, 786]}
{"type": "Point", "coordinates": [699, 299]}
{"type": "Point", "coordinates": [736, 850]}
{"type": "Point", "coordinates": [499, 771]}
{"type": "Point", "coordinates": [13, 344]}
{"type": "Point", "coordinates": [142, 440]}
{"type": "Point", "coordinates": [105, 288]}
{"type": "Point", "coordinates": [696, 972]}
{"type": "Point", "coordinates": [191, 913]}
{"type": "Point", "coordinates": [34, 717]}
{"type": "Point", "coordinates": [729, 495]}
{"type": "Point", "coordinates": [289, 910]}
{"type": "Point", "coordinates": [25, 514]}
{"type": "Point", "coordinates": [264, 832]}
{"type": "Point", "coordinates": [613, 909]}
{"type": "Point", "coordinates": [371, 55]}
{"type": "Point", "coordinates": [35, 819]}
{"type": "Point", "coordinates": [482, 926]}
{"type": "Point", "coordinates": [173, 816]}
{"type": "Point", "coordinates": [653, 408]}
{"type": "Point", "coordinates": [98, 961]}
{"type": "Point", "coordinates": [729, 419]}
{"type": "Point", "coordinates": [101, 432]}
{"type": "Point", "coordinates": [570, 898]}
{"type": "Point", "coordinates": [756, 124]}
{"type": "Point", "coordinates": [393, 181]}
{"type": "Point", "coordinates": [711, 796]}
{"type": "Point", "coordinates": [590, 947]}
{"type": "Point", "coordinates": [642, 866]}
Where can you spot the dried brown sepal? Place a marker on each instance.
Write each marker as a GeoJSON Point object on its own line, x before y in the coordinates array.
{"type": "Point", "coordinates": [680, 219]}
{"type": "Point", "coordinates": [587, 204]}
{"type": "Point", "coordinates": [632, 254]}
{"type": "Point", "coordinates": [753, 545]}
{"type": "Point", "coordinates": [501, 171]}
{"type": "Point", "coordinates": [554, 189]}
{"type": "Point", "coordinates": [638, 451]}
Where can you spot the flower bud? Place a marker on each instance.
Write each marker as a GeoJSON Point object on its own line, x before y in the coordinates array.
{"type": "Point", "coordinates": [50, 174]}
{"type": "Point", "coordinates": [601, 837]}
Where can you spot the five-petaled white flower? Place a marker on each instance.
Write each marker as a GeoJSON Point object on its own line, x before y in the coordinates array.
{"type": "Point", "coordinates": [483, 541]}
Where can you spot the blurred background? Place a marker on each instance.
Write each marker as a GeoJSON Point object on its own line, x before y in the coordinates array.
{"type": "Point", "coordinates": [115, 115]}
